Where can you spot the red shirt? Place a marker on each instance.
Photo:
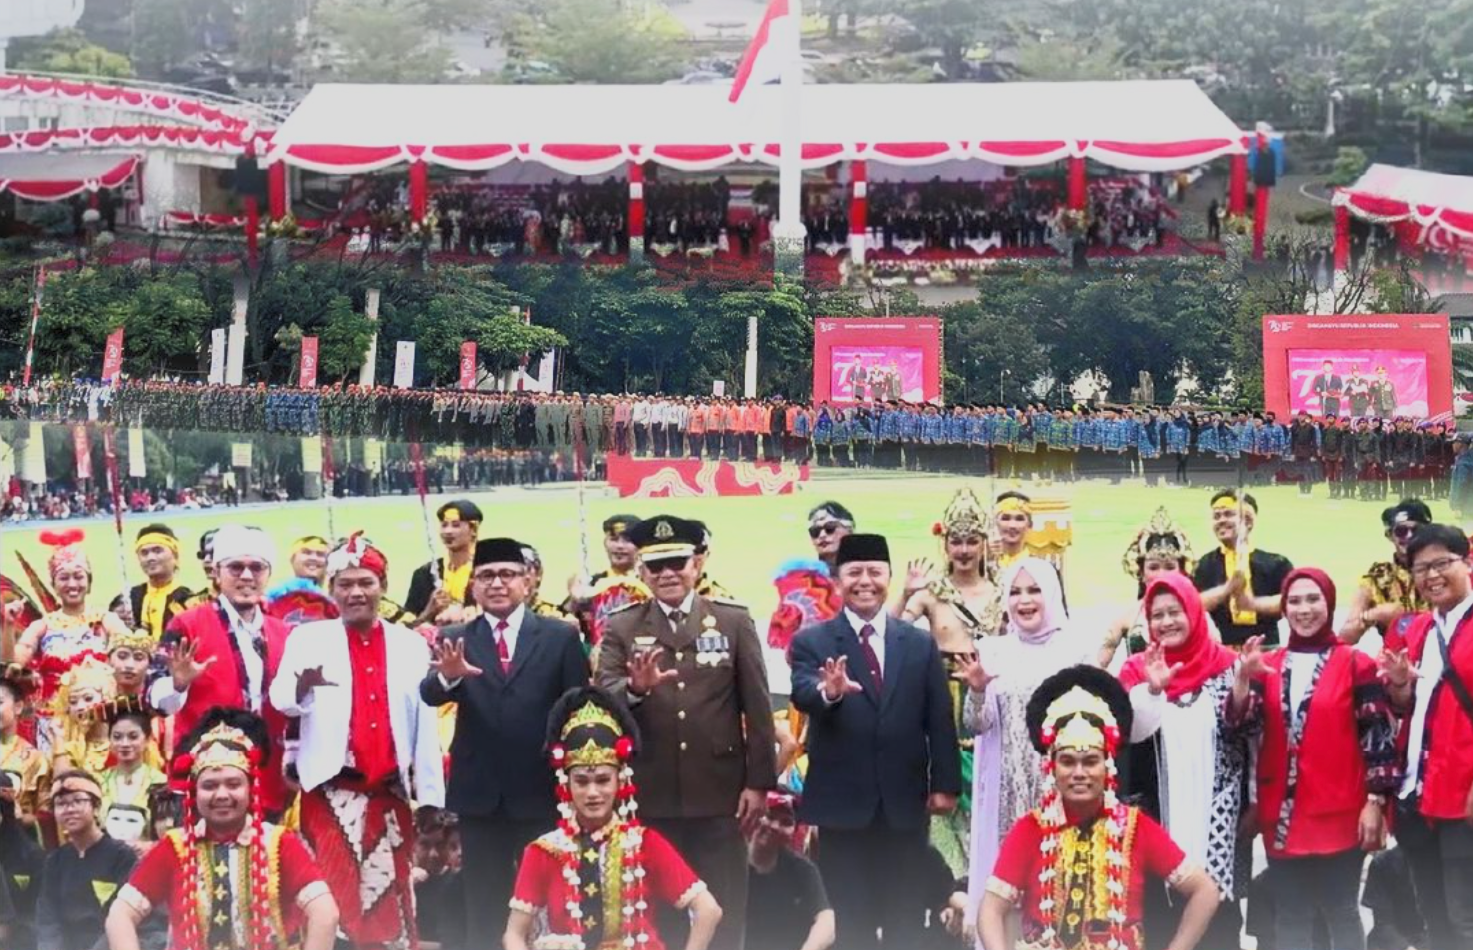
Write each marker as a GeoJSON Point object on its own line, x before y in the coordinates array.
{"type": "Point", "coordinates": [1149, 851]}
{"type": "Point", "coordinates": [370, 733]}
{"type": "Point", "coordinates": [540, 884]}
{"type": "Point", "coordinates": [1446, 773]}
{"type": "Point", "coordinates": [158, 879]}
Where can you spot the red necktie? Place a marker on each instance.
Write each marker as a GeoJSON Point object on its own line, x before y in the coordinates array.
{"type": "Point", "coordinates": [871, 657]}
{"type": "Point", "coordinates": [502, 652]}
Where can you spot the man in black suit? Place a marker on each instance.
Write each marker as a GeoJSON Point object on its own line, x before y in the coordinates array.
{"type": "Point", "coordinates": [881, 751]}
{"type": "Point", "coordinates": [504, 671]}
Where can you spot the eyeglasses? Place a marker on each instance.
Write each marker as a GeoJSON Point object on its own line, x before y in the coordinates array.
{"type": "Point", "coordinates": [675, 564]}
{"type": "Point", "coordinates": [241, 568]}
{"type": "Point", "coordinates": [72, 801]}
{"type": "Point", "coordinates": [490, 577]}
{"type": "Point", "coordinates": [1439, 567]}
{"type": "Point", "coordinates": [819, 530]}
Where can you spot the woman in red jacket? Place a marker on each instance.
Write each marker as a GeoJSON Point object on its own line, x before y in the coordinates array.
{"type": "Point", "coordinates": [1327, 765]}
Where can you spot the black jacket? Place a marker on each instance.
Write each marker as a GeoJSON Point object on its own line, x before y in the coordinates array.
{"type": "Point", "coordinates": [497, 764]}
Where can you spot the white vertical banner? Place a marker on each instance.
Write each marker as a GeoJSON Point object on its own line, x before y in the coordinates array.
{"type": "Point", "coordinates": [217, 356]}
{"type": "Point", "coordinates": [367, 371]}
{"type": "Point", "coordinates": [235, 356]}
{"type": "Point", "coordinates": [137, 465]}
{"type": "Point", "coordinates": [404, 365]}
{"type": "Point", "coordinates": [546, 372]}
{"type": "Point", "coordinates": [33, 459]}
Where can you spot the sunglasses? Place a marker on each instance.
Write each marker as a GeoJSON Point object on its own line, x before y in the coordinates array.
{"type": "Point", "coordinates": [1403, 531]}
{"type": "Point", "coordinates": [675, 564]}
{"type": "Point", "coordinates": [819, 530]}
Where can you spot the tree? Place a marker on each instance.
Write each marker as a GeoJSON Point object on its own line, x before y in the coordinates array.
{"type": "Point", "coordinates": [163, 35]}
{"type": "Point", "coordinates": [343, 335]}
{"type": "Point", "coordinates": [954, 26]}
{"type": "Point", "coordinates": [384, 41]}
{"type": "Point", "coordinates": [1063, 60]}
{"type": "Point", "coordinates": [600, 41]}
{"type": "Point", "coordinates": [69, 51]}
{"type": "Point", "coordinates": [267, 35]}
{"type": "Point", "coordinates": [164, 321]}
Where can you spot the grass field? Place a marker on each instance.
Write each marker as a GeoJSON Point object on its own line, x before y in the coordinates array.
{"type": "Point", "coordinates": [754, 535]}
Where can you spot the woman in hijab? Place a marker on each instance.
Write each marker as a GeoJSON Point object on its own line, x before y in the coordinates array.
{"type": "Point", "coordinates": [1327, 766]}
{"type": "Point", "coordinates": [1038, 641]}
{"type": "Point", "coordinates": [1199, 745]}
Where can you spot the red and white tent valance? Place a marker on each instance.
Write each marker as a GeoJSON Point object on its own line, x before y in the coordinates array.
{"type": "Point", "coordinates": [592, 130]}
{"type": "Point", "coordinates": [1386, 194]}
{"type": "Point", "coordinates": [124, 136]}
{"type": "Point", "coordinates": [52, 178]}
{"type": "Point", "coordinates": [150, 101]}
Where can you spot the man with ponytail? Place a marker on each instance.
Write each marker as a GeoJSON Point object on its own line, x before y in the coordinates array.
{"type": "Point", "coordinates": [270, 895]}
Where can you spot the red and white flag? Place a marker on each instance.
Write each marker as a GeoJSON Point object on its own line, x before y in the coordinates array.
{"type": "Point", "coordinates": [763, 57]}
{"type": "Point", "coordinates": [307, 374]}
{"type": "Point", "coordinates": [112, 358]}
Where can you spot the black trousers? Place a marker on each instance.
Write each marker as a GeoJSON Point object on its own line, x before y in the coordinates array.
{"type": "Point", "coordinates": [715, 849]}
{"type": "Point", "coordinates": [1326, 887]}
{"type": "Point", "coordinates": [1163, 915]}
{"type": "Point", "coordinates": [873, 877]}
{"type": "Point", "coordinates": [491, 849]}
{"type": "Point", "coordinates": [1440, 854]}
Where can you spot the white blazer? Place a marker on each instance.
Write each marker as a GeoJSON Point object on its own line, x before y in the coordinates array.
{"type": "Point", "coordinates": [327, 711]}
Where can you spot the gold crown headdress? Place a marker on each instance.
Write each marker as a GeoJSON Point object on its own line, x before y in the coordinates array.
{"type": "Point", "coordinates": [130, 640]}
{"type": "Point", "coordinates": [223, 746]}
{"type": "Point", "coordinates": [1080, 720]}
{"type": "Point", "coordinates": [592, 715]}
{"type": "Point", "coordinates": [587, 728]}
{"type": "Point", "coordinates": [964, 516]}
{"type": "Point", "coordinates": [1161, 537]}
{"type": "Point", "coordinates": [92, 673]}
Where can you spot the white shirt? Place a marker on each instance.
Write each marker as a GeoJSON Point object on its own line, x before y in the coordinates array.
{"type": "Point", "coordinates": [684, 606]}
{"type": "Point", "coordinates": [1429, 674]}
{"type": "Point", "coordinates": [169, 701]}
{"type": "Point", "coordinates": [877, 639]}
{"type": "Point", "coordinates": [641, 412]}
{"type": "Point", "coordinates": [1299, 667]}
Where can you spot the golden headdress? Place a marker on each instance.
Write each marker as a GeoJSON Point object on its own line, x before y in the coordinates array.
{"type": "Point", "coordinates": [589, 727]}
{"type": "Point", "coordinates": [1080, 707]}
{"type": "Point", "coordinates": [130, 640]}
{"type": "Point", "coordinates": [92, 673]}
{"type": "Point", "coordinates": [964, 517]}
{"type": "Point", "coordinates": [1161, 537]}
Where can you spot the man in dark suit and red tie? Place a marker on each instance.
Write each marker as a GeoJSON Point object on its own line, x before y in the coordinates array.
{"type": "Point", "coordinates": [881, 752]}
{"type": "Point", "coordinates": [505, 671]}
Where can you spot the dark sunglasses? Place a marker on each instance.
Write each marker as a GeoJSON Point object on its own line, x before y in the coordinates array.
{"type": "Point", "coordinates": [1403, 531]}
{"type": "Point", "coordinates": [819, 530]}
{"type": "Point", "coordinates": [676, 564]}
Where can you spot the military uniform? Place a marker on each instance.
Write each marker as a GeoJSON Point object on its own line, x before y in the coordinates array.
{"type": "Point", "coordinates": [707, 734]}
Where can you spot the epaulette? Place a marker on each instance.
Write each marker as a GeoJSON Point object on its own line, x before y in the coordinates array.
{"type": "Point", "coordinates": [623, 607]}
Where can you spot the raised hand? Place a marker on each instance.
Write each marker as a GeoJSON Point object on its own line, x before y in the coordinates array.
{"type": "Point", "coordinates": [917, 575]}
{"type": "Point", "coordinates": [1159, 673]}
{"type": "Point", "coordinates": [1397, 668]}
{"type": "Point", "coordinates": [835, 683]}
{"type": "Point", "coordinates": [970, 671]}
{"type": "Point", "coordinates": [1253, 662]}
{"type": "Point", "coordinates": [449, 661]}
{"type": "Point", "coordinates": [645, 673]}
{"type": "Point", "coordinates": [309, 679]}
{"type": "Point", "coordinates": [185, 666]}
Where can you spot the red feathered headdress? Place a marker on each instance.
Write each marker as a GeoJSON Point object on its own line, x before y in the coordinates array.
{"type": "Point", "coordinates": [67, 551]}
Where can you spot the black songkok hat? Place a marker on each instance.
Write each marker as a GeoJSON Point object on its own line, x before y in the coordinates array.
{"type": "Point", "coordinates": [499, 551]}
{"type": "Point", "coordinates": [862, 547]}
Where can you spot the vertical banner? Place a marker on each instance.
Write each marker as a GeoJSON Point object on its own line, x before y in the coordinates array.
{"type": "Point", "coordinates": [82, 448]}
{"type": "Point", "coordinates": [112, 358]}
{"type": "Point", "coordinates": [329, 471]}
{"type": "Point", "coordinates": [114, 487]}
{"type": "Point", "coordinates": [137, 467]}
{"type": "Point", "coordinates": [240, 455]}
{"type": "Point", "coordinates": [35, 320]}
{"type": "Point", "coordinates": [33, 459]}
{"type": "Point", "coordinates": [404, 365]}
{"type": "Point", "coordinates": [307, 378]}
{"type": "Point", "coordinates": [217, 356]}
{"type": "Point", "coordinates": [312, 457]}
{"type": "Point", "coordinates": [468, 364]}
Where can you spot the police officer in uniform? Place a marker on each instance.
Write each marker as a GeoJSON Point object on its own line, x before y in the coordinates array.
{"type": "Point", "coordinates": [692, 670]}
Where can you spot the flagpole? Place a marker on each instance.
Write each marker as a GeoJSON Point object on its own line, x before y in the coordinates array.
{"type": "Point", "coordinates": [788, 232]}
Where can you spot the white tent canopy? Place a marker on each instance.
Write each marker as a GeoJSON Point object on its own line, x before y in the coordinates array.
{"type": "Point", "coordinates": [1136, 125]}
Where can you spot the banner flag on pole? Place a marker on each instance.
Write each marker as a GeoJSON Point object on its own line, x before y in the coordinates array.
{"type": "Point", "coordinates": [468, 364]}
{"type": "Point", "coordinates": [307, 377]}
{"type": "Point", "coordinates": [762, 57]}
{"type": "Point", "coordinates": [217, 356]}
{"type": "Point", "coordinates": [404, 365]}
{"type": "Point", "coordinates": [82, 448]}
{"type": "Point", "coordinates": [35, 321]}
{"type": "Point", "coordinates": [112, 358]}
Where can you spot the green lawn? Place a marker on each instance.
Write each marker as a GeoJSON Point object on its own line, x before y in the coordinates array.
{"type": "Point", "coordinates": [754, 535]}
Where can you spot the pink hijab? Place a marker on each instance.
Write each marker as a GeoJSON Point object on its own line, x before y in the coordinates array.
{"type": "Point", "coordinates": [1201, 657]}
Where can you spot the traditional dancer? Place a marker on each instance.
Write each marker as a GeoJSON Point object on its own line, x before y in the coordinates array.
{"type": "Point", "coordinates": [27, 766]}
{"type": "Point", "coordinates": [1386, 592]}
{"type": "Point", "coordinates": [227, 879]}
{"type": "Point", "coordinates": [369, 746]}
{"type": "Point", "coordinates": [593, 882]}
{"type": "Point", "coordinates": [81, 877]}
{"type": "Point", "coordinates": [79, 728]}
{"type": "Point", "coordinates": [69, 635]}
{"type": "Point", "coordinates": [1240, 584]}
{"type": "Point", "coordinates": [1078, 865]}
{"type": "Point", "coordinates": [160, 598]}
{"type": "Point", "coordinates": [131, 777]}
{"type": "Point", "coordinates": [1159, 548]}
{"type": "Point", "coordinates": [806, 593]}
{"type": "Point", "coordinates": [440, 589]}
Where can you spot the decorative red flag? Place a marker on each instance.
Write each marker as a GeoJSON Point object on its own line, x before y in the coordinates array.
{"type": "Point", "coordinates": [776, 10]}
{"type": "Point", "coordinates": [112, 358]}
{"type": "Point", "coordinates": [468, 364]}
{"type": "Point", "coordinates": [307, 378]}
{"type": "Point", "coordinates": [82, 447]}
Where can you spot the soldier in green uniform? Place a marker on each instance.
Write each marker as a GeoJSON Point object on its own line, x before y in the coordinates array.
{"type": "Point", "coordinates": [692, 670]}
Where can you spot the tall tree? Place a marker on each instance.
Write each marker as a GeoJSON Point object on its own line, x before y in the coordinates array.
{"type": "Point", "coordinates": [385, 41]}
{"type": "Point", "coordinates": [267, 34]}
{"type": "Point", "coordinates": [603, 41]}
